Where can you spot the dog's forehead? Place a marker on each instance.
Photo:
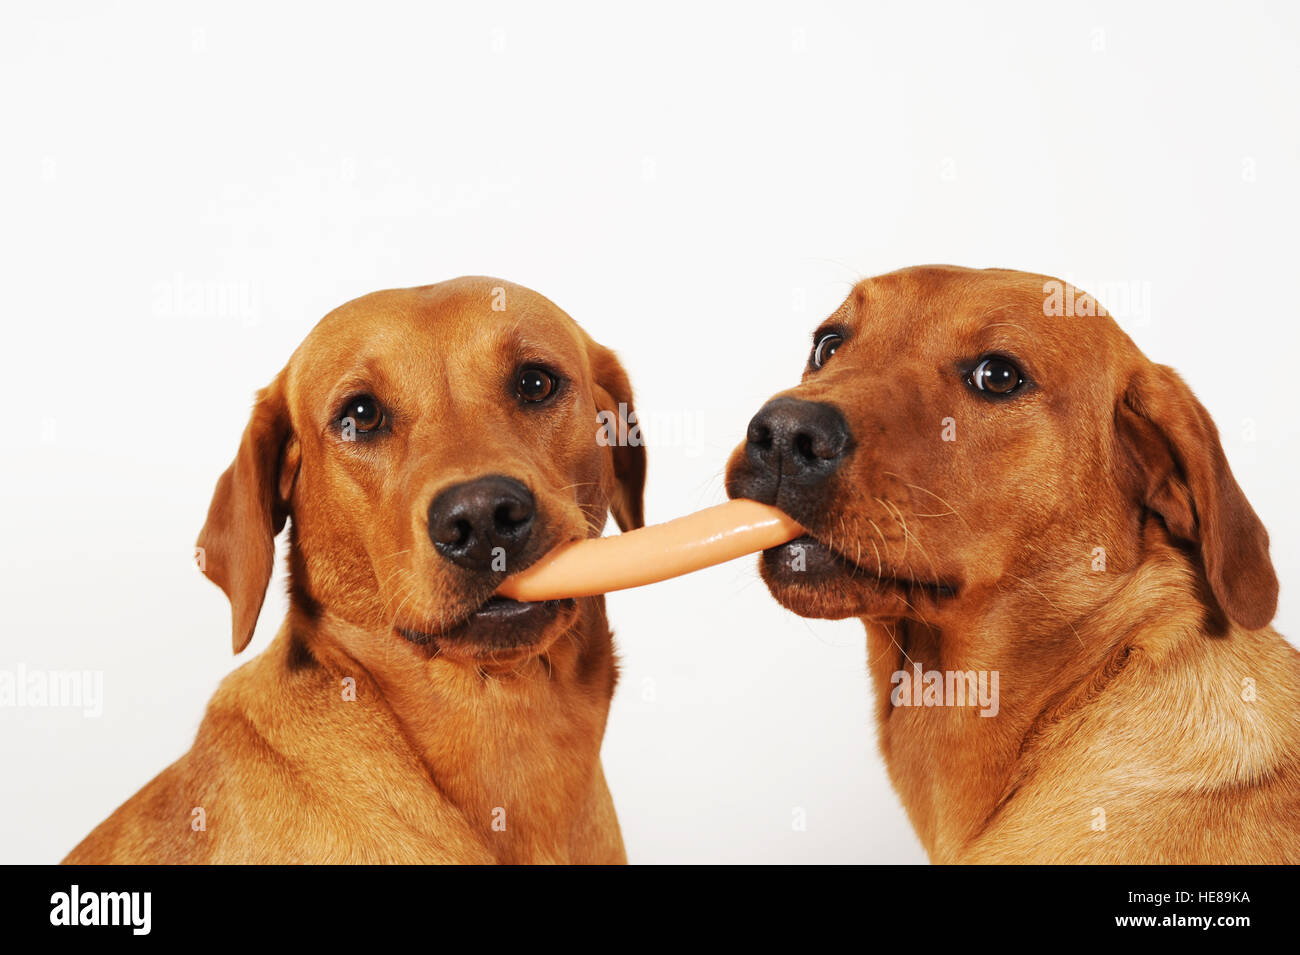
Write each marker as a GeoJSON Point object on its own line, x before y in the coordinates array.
{"type": "Point", "coordinates": [452, 321]}
{"type": "Point", "coordinates": [943, 306]}
{"type": "Point", "coordinates": [964, 299]}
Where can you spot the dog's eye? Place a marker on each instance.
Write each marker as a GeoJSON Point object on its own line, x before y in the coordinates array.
{"type": "Point", "coordinates": [364, 413]}
{"type": "Point", "coordinates": [534, 384]}
{"type": "Point", "coordinates": [996, 376]}
{"type": "Point", "coordinates": [826, 346]}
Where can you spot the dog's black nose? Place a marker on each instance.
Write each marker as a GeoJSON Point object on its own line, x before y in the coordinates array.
{"type": "Point", "coordinates": [482, 524]}
{"type": "Point", "coordinates": [801, 441]}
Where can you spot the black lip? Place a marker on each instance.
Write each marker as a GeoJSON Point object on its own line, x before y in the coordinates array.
{"type": "Point", "coordinates": [498, 624]}
{"type": "Point", "coordinates": [503, 608]}
{"type": "Point", "coordinates": [823, 560]}
{"type": "Point", "coordinates": [817, 559]}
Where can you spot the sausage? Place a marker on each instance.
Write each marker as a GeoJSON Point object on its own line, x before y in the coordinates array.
{"type": "Point", "coordinates": [651, 554]}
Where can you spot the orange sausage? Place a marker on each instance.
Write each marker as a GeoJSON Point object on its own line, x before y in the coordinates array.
{"type": "Point", "coordinates": [651, 554]}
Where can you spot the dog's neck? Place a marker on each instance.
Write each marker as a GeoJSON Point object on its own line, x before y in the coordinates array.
{"type": "Point", "coordinates": [516, 750]}
{"type": "Point", "coordinates": [1041, 660]}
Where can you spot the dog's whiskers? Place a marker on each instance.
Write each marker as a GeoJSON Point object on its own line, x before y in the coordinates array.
{"type": "Point", "coordinates": [946, 503]}
{"type": "Point", "coordinates": [898, 519]}
{"type": "Point", "coordinates": [880, 567]}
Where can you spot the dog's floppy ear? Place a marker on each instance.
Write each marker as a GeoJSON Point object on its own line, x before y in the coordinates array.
{"type": "Point", "coordinates": [1184, 477]}
{"type": "Point", "coordinates": [617, 427]}
{"type": "Point", "coordinates": [249, 507]}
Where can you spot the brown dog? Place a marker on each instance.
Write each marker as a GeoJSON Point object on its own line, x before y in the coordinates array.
{"type": "Point", "coordinates": [425, 443]}
{"type": "Point", "coordinates": [1029, 516]}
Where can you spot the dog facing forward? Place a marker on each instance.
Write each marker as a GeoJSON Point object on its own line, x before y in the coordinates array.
{"type": "Point", "coordinates": [422, 444]}
{"type": "Point", "coordinates": [1021, 502]}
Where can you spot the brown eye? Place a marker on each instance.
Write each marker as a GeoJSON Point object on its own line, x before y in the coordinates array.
{"type": "Point", "coordinates": [826, 346]}
{"type": "Point", "coordinates": [996, 376]}
{"type": "Point", "coordinates": [534, 385]}
{"type": "Point", "coordinates": [364, 413]}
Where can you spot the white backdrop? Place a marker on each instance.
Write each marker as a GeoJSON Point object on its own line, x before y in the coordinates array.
{"type": "Point", "coordinates": [185, 193]}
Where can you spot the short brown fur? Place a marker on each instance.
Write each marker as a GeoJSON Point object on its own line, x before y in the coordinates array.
{"type": "Point", "coordinates": [448, 754]}
{"type": "Point", "coordinates": [1150, 696]}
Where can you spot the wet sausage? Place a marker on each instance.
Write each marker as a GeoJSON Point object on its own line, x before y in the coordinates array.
{"type": "Point", "coordinates": [650, 554]}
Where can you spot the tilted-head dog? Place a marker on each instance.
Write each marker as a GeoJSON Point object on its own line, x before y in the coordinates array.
{"type": "Point", "coordinates": [1066, 594]}
{"type": "Point", "coordinates": [422, 444]}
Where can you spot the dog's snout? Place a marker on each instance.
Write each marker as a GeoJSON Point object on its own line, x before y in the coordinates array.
{"type": "Point", "coordinates": [801, 440]}
{"type": "Point", "coordinates": [474, 523]}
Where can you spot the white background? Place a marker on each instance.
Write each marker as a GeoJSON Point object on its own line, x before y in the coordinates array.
{"type": "Point", "coordinates": [185, 193]}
